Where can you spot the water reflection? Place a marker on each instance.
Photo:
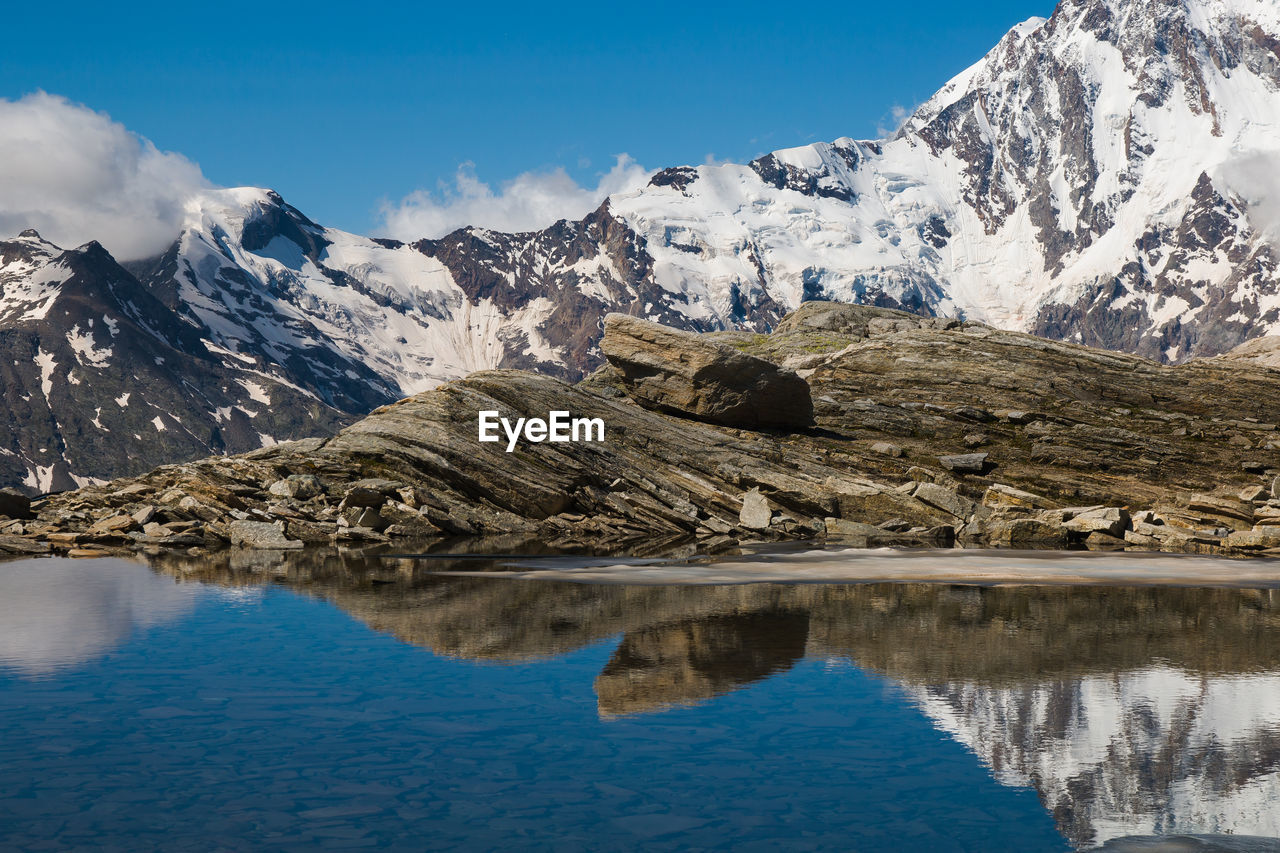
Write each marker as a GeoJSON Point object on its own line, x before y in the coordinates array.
{"type": "Point", "coordinates": [691, 660]}
{"type": "Point", "coordinates": [1130, 710]}
{"type": "Point", "coordinates": [56, 614]}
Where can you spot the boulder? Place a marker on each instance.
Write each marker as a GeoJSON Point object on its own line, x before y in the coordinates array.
{"type": "Point", "coordinates": [298, 486]}
{"type": "Point", "coordinates": [1219, 507]}
{"type": "Point", "coordinates": [114, 524]}
{"type": "Point", "coordinates": [1253, 494]}
{"type": "Point", "coordinates": [14, 504]}
{"type": "Point", "coordinates": [683, 374]}
{"type": "Point", "coordinates": [1027, 532]}
{"type": "Point", "coordinates": [965, 463]}
{"type": "Point", "coordinates": [756, 512]}
{"type": "Point", "coordinates": [884, 448]}
{"type": "Point", "coordinates": [947, 500]}
{"type": "Point", "coordinates": [1113, 521]}
{"type": "Point", "coordinates": [364, 516]}
{"type": "Point", "coordinates": [840, 318]}
{"type": "Point", "coordinates": [1251, 540]}
{"type": "Point", "coordinates": [261, 534]}
{"type": "Point", "coordinates": [18, 545]}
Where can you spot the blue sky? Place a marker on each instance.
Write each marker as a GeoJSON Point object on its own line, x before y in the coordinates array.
{"type": "Point", "coordinates": [342, 107]}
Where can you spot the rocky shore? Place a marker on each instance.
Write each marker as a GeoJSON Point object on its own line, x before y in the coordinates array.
{"type": "Point", "coordinates": [854, 424]}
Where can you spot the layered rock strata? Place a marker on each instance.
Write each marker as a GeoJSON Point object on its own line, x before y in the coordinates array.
{"type": "Point", "coordinates": [926, 432]}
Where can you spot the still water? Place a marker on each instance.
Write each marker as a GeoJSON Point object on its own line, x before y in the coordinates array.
{"type": "Point", "coordinates": [359, 702]}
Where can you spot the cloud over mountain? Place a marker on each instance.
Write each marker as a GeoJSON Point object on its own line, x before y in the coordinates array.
{"type": "Point", "coordinates": [527, 202]}
{"type": "Point", "coordinates": [76, 175]}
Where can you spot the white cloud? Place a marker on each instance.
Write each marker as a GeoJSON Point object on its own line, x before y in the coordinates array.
{"type": "Point", "coordinates": [528, 202]}
{"type": "Point", "coordinates": [1254, 176]}
{"type": "Point", "coordinates": [75, 175]}
{"type": "Point", "coordinates": [898, 115]}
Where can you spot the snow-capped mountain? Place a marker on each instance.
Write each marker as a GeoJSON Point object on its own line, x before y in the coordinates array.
{"type": "Point", "coordinates": [1110, 175]}
{"type": "Point", "coordinates": [99, 378]}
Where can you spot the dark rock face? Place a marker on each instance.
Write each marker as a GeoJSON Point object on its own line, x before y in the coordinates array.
{"type": "Point", "coordinates": [99, 379]}
{"type": "Point", "coordinates": [14, 504]}
{"type": "Point", "coordinates": [681, 373]}
{"type": "Point", "coordinates": [821, 182]}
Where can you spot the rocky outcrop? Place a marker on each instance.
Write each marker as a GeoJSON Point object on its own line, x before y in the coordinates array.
{"type": "Point", "coordinates": [685, 374]}
{"type": "Point", "coordinates": [1080, 447]}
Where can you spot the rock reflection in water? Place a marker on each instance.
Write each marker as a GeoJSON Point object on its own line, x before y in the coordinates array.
{"type": "Point", "coordinates": [1131, 710]}
{"type": "Point", "coordinates": [696, 659]}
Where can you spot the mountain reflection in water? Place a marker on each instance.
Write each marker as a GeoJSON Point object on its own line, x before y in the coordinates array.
{"type": "Point", "coordinates": [1130, 710]}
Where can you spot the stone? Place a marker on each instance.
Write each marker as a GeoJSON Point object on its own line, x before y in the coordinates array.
{"type": "Point", "coordinates": [976, 439]}
{"type": "Point", "coordinates": [18, 545]}
{"type": "Point", "coordinates": [363, 496]}
{"type": "Point", "coordinates": [889, 325]}
{"type": "Point", "coordinates": [884, 448]}
{"type": "Point", "coordinates": [947, 500]}
{"type": "Point", "coordinates": [1253, 493]}
{"type": "Point", "coordinates": [145, 515]}
{"type": "Point", "coordinates": [180, 540]}
{"type": "Point", "coordinates": [114, 524]}
{"type": "Point", "coordinates": [310, 531]}
{"type": "Point", "coordinates": [300, 487]}
{"type": "Point", "coordinates": [1252, 540]}
{"type": "Point", "coordinates": [1222, 508]}
{"type": "Point", "coordinates": [973, 413]}
{"type": "Point", "coordinates": [1113, 521]}
{"type": "Point", "coordinates": [682, 373]}
{"type": "Point", "coordinates": [965, 463]}
{"type": "Point", "coordinates": [14, 504]}
{"type": "Point", "coordinates": [1099, 541]}
{"type": "Point", "coordinates": [999, 495]}
{"type": "Point", "coordinates": [842, 528]}
{"type": "Point", "coordinates": [261, 535]}
{"type": "Point", "coordinates": [756, 512]}
{"type": "Point", "coordinates": [366, 517]}
{"type": "Point", "coordinates": [942, 535]}
{"type": "Point", "coordinates": [1027, 532]}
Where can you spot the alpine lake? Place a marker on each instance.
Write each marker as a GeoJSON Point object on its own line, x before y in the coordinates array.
{"type": "Point", "coordinates": [479, 697]}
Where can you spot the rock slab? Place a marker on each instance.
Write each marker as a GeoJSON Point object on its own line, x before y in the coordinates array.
{"type": "Point", "coordinates": [261, 534]}
{"type": "Point", "coordinates": [681, 373]}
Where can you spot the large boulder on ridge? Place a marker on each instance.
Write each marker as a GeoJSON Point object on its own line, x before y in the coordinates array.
{"type": "Point", "coordinates": [684, 374]}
